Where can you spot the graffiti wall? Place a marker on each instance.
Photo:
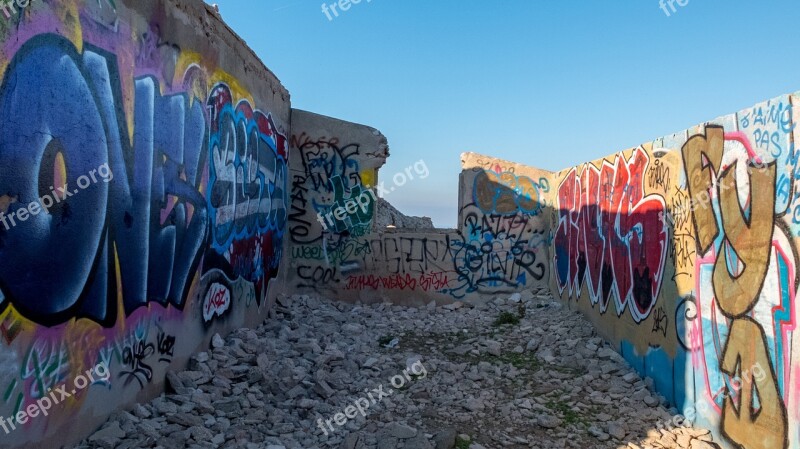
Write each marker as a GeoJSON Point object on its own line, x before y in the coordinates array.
{"type": "Point", "coordinates": [503, 243]}
{"type": "Point", "coordinates": [684, 253]}
{"type": "Point", "coordinates": [144, 200]}
{"type": "Point", "coordinates": [681, 251]}
{"type": "Point", "coordinates": [335, 246]}
{"type": "Point", "coordinates": [337, 249]}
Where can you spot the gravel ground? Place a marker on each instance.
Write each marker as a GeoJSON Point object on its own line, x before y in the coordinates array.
{"type": "Point", "coordinates": [519, 372]}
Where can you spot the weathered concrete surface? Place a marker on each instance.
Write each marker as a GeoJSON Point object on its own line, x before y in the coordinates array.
{"type": "Point", "coordinates": [500, 246]}
{"type": "Point", "coordinates": [546, 381]}
{"type": "Point", "coordinates": [504, 212]}
{"type": "Point", "coordinates": [683, 252]}
{"type": "Point", "coordinates": [136, 270]}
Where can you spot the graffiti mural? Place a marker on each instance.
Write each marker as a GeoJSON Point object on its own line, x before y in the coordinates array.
{"type": "Point", "coordinates": [330, 176]}
{"type": "Point", "coordinates": [611, 236]}
{"type": "Point", "coordinates": [746, 279]}
{"type": "Point", "coordinates": [332, 202]}
{"type": "Point", "coordinates": [498, 253]}
{"type": "Point", "coordinates": [694, 234]}
{"type": "Point", "coordinates": [247, 189]}
{"type": "Point", "coordinates": [126, 213]}
{"type": "Point", "coordinates": [503, 237]}
{"type": "Point", "coordinates": [501, 244]}
{"type": "Point", "coordinates": [148, 231]}
{"type": "Point", "coordinates": [179, 241]}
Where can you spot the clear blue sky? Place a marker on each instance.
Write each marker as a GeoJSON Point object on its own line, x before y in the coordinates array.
{"type": "Point", "coordinates": [545, 83]}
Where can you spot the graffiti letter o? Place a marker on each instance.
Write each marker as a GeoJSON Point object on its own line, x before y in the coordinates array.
{"type": "Point", "coordinates": [50, 115]}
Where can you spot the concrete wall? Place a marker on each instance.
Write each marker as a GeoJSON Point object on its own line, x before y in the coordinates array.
{"type": "Point", "coordinates": [504, 210]}
{"type": "Point", "coordinates": [683, 252]}
{"type": "Point", "coordinates": [139, 268]}
{"type": "Point", "coordinates": [500, 246]}
{"type": "Point", "coordinates": [350, 256]}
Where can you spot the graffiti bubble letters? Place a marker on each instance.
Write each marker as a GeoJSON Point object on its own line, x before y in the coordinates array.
{"type": "Point", "coordinates": [247, 171]}
{"type": "Point", "coordinates": [139, 234]}
{"type": "Point", "coordinates": [611, 236]}
{"type": "Point", "coordinates": [753, 416]}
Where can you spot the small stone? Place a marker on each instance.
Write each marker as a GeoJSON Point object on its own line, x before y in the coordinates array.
{"type": "Point", "coordinates": [350, 441]}
{"type": "Point", "coordinates": [493, 347]}
{"type": "Point", "coordinates": [606, 353]}
{"type": "Point", "coordinates": [631, 378]}
{"type": "Point", "coordinates": [474, 405]}
{"type": "Point", "coordinates": [401, 431]}
{"type": "Point", "coordinates": [370, 362]}
{"type": "Point", "coordinates": [445, 439]}
{"type": "Point", "coordinates": [616, 431]}
{"type": "Point", "coordinates": [217, 341]}
{"type": "Point", "coordinates": [112, 430]}
{"type": "Point", "coordinates": [609, 367]}
{"type": "Point", "coordinates": [323, 389]}
{"type": "Point", "coordinates": [599, 434]}
{"type": "Point", "coordinates": [699, 444]}
{"type": "Point", "coordinates": [352, 329]}
{"type": "Point", "coordinates": [185, 420]}
{"type": "Point", "coordinates": [306, 404]}
{"type": "Point", "coordinates": [418, 442]}
{"type": "Point", "coordinates": [549, 421]}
